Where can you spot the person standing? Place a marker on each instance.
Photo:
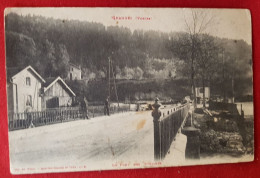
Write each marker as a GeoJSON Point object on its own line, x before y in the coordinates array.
{"type": "Point", "coordinates": [29, 119]}
{"type": "Point", "coordinates": [137, 105]}
{"type": "Point", "coordinates": [106, 106]}
{"type": "Point", "coordinates": [84, 107]}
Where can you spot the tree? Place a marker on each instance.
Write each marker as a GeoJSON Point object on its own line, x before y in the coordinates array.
{"type": "Point", "coordinates": [46, 58]}
{"type": "Point", "coordinates": [186, 45]}
{"type": "Point", "coordinates": [101, 74]}
{"type": "Point", "coordinates": [20, 50]}
{"type": "Point", "coordinates": [62, 61]}
{"type": "Point", "coordinates": [238, 68]}
{"type": "Point", "coordinates": [138, 73]}
{"type": "Point", "coordinates": [128, 73]}
{"type": "Point", "coordinates": [196, 22]}
{"type": "Point", "coordinates": [207, 60]}
{"type": "Point", "coordinates": [170, 74]}
{"type": "Point", "coordinates": [118, 74]}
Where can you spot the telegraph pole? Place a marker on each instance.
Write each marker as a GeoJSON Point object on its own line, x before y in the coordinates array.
{"type": "Point", "coordinates": [109, 77]}
{"type": "Point", "coordinates": [233, 91]}
{"type": "Point", "coordinates": [223, 75]}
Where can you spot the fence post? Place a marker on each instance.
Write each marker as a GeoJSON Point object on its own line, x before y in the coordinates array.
{"type": "Point", "coordinates": [156, 122]}
{"type": "Point", "coordinates": [192, 150]}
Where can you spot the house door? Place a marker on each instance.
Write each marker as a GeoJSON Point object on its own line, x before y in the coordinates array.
{"type": "Point", "coordinates": [70, 76]}
{"type": "Point", "coordinates": [52, 103]}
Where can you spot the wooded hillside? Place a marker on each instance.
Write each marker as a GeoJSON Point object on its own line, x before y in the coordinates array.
{"type": "Point", "coordinates": [49, 45]}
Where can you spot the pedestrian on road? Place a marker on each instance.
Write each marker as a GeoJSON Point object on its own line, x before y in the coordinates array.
{"type": "Point", "coordinates": [137, 105]}
{"type": "Point", "coordinates": [106, 106]}
{"type": "Point", "coordinates": [29, 119]}
{"type": "Point", "coordinates": [84, 107]}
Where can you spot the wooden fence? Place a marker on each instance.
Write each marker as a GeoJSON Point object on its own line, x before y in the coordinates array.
{"type": "Point", "coordinates": [166, 125]}
{"type": "Point", "coordinates": [57, 115]}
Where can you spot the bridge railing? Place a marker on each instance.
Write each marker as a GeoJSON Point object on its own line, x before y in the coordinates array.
{"type": "Point", "coordinates": [166, 125]}
{"type": "Point", "coordinates": [23, 120]}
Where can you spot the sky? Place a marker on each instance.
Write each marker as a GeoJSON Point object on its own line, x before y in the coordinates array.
{"type": "Point", "coordinates": [226, 23]}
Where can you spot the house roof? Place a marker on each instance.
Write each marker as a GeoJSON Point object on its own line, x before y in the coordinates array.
{"type": "Point", "coordinates": [51, 81]}
{"type": "Point", "coordinates": [14, 71]}
{"type": "Point", "coordinates": [74, 65]}
{"type": "Point", "coordinates": [48, 81]}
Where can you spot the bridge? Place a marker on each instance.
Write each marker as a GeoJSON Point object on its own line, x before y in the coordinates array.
{"type": "Point", "coordinates": [123, 140]}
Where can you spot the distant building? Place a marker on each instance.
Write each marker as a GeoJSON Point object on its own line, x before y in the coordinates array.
{"type": "Point", "coordinates": [74, 72]}
{"type": "Point", "coordinates": [199, 93]}
{"type": "Point", "coordinates": [56, 93]}
{"type": "Point", "coordinates": [24, 90]}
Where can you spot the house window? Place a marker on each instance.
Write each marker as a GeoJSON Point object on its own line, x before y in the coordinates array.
{"type": "Point", "coordinates": [28, 100]}
{"type": "Point", "coordinates": [72, 69]}
{"type": "Point", "coordinates": [28, 81]}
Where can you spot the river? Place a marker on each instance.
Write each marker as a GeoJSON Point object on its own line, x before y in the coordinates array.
{"type": "Point", "coordinates": [248, 108]}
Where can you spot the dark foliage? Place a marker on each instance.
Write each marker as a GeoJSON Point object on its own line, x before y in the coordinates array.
{"type": "Point", "coordinates": [50, 44]}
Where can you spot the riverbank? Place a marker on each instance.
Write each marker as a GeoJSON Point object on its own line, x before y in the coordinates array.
{"type": "Point", "coordinates": [248, 108]}
{"type": "Point", "coordinates": [224, 134]}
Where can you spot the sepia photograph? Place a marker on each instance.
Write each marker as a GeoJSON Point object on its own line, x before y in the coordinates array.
{"type": "Point", "coordinates": [128, 88]}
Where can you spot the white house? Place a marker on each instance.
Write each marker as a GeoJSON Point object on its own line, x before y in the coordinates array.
{"type": "Point", "coordinates": [24, 90]}
{"type": "Point", "coordinates": [56, 93]}
{"type": "Point", "coordinates": [74, 72]}
{"type": "Point", "coordinates": [28, 91]}
{"type": "Point", "coordinates": [199, 93]}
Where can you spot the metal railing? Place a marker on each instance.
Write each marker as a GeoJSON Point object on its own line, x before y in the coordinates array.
{"type": "Point", "coordinates": [57, 115]}
{"type": "Point", "coordinates": [166, 125]}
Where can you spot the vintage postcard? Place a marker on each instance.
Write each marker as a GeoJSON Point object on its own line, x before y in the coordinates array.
{"type": "Point", "coordinates": [128, 88]}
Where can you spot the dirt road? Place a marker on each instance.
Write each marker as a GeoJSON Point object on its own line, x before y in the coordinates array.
{"type": "Point", "coordinates": [120, 137]}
